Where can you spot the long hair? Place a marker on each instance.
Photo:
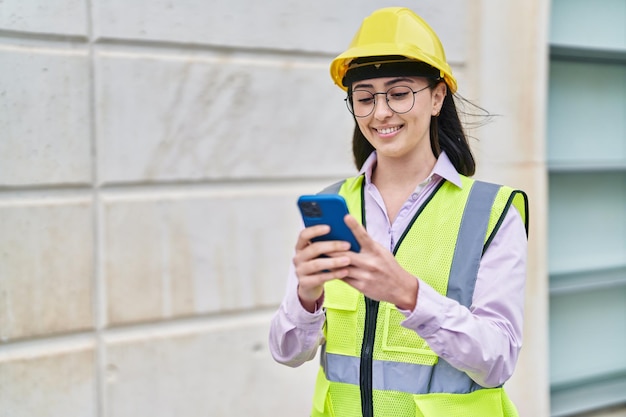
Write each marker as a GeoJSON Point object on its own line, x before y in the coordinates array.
{"type": "Point", "coordinates": [446, 134]}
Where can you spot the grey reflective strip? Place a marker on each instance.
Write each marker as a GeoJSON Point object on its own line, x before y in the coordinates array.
{"type": "Point", "coordinates": [463, 274]}
{"type": "Point", "coordinates": [333, 189]}
{"type": "Point", "coordinates": [387, 375]}
{"type": "Point", "coordinates": [399, 376]}
{"type": "Point", "coordinates": [446, 378]}
{"type": "Point", "coordinates": [469, 244]}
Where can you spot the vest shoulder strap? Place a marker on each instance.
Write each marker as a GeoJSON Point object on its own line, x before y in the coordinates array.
{"type": "Point", "coordinates": [333, 188]}
{"type": "Point", "coordinates": [506, 197]}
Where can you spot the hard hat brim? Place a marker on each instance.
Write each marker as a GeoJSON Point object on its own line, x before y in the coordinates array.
{"type": "Point", "coordinates": [340, 64]}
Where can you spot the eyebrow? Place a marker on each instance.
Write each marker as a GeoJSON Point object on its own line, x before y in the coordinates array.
{"type": "Point", "coordinates": [387, 84]}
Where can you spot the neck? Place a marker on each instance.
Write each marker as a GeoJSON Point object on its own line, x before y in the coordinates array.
{"type": "Point", "coordinates": [403, 172]}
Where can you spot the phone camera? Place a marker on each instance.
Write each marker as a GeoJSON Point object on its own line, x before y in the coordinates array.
{"type": "Point", "coordinates": [311, 209]}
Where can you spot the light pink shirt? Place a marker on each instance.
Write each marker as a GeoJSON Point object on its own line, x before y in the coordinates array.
{"type": "Point", "coordinates": [483, 341]}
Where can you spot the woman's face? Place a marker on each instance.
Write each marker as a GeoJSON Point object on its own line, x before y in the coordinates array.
{"type": "Point", "coordinates": [396, 135]}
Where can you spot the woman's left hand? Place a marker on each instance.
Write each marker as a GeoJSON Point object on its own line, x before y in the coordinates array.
{"type": "Point", "coordinates": [375, 272]}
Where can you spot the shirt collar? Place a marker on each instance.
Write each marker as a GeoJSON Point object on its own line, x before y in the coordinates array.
{"type": "Point", "coordinates": [443, 169]}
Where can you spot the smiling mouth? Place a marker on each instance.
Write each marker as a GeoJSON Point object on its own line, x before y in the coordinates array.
{"type": "Point", "coordinates": [388, 130]}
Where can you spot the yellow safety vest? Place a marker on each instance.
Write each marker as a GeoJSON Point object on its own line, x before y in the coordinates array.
{"type": "Point", "coordinates": [373, 366]}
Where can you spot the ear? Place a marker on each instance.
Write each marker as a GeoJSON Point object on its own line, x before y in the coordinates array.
{"type": "Point", "coordinates": [438, 95]}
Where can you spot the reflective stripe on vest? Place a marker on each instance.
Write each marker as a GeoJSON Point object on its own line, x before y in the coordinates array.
{"type": "Point", "coordinates": [441, 377]}
{"type": "Point", "coordinates": [469, 246]}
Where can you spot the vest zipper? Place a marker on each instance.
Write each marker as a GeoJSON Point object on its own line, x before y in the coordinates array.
{"type": "Point", "coordinates": [367, 350]}
{"type": "Point", "coordinates": [371, 317]}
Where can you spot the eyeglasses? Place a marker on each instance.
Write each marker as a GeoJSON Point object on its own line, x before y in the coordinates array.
{"type": "Point", "coordinates": [400, 99]}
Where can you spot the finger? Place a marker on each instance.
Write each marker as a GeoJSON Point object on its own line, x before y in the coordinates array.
{"type": "Point", "coordinates": [305, 236]}
{"type": "Point", "coordinates": [322, 266]}
{"type": "Point", "coordinates": [320, 249]}
{"type": "Point", "coordinates": [358, 231]}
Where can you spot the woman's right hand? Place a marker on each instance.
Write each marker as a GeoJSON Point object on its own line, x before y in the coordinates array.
{"type": "Point", "coordinates": [313, 269]}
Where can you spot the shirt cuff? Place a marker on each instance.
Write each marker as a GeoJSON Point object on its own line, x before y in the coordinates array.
{"type": "Point", "coordinates": [429, 311]}
{"type": "Point", "coordinates": [299, 316]}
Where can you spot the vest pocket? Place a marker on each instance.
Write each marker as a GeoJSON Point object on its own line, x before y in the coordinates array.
{"type": "Point", "coordinates": [400, 343]}
{"type": "Point", "coordinates": [341, 303]}
{"type": "Point", "coordinates": [491, 402]}
{"type": "Point", "coordinates": [321, 399]}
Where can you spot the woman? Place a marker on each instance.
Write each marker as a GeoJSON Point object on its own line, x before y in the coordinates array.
{"type": "Point", "coordinates": [426, 319]}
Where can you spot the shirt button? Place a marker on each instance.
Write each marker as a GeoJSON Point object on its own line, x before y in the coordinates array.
{"type": "Point", "coordinates": [421, 327]}
{"type": "Point", "coordinates": [414, 196]}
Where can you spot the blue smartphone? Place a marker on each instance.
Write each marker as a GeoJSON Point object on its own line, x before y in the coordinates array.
{"type": "Point", "coordinates": [327, 209]}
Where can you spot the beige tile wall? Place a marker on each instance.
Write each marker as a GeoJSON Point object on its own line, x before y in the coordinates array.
{"type": "Point", "coordinates": [56, 378]}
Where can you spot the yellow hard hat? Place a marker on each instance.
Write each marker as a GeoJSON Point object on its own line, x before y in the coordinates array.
{"type": "Point", "coordinates": [394, 31]}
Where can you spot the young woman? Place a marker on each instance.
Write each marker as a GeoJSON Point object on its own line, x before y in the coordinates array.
{"type": "Point", "coordinates": [426, 320]}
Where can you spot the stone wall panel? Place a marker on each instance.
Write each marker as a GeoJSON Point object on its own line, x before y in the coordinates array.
{"type": "Point", "coordinates": [197, 117]}
{"type": "Point", "coordinates": [52, 382]}
{"type": "Point", "coordinates": [45, 120]}
{"type": "Point", "coordinates": [62, 17]}
{"type": "Point", "coordinates": [46, 268]}
{"type": "Point", "coordinates": [289, 25]}
{"type": "Point", "coordinates": [178, 255]}
{"type": "Point", "coordinates": [216, 369]}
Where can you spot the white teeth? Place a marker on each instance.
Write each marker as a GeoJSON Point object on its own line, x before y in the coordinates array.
{"type": "Point", "coordinates": [388, 130]}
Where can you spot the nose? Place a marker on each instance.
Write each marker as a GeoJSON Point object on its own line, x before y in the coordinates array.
{"type": "Point", "coordinates": [381, 107]}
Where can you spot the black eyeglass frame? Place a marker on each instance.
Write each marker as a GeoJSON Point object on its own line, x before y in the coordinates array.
{"type": "Point", "coordinates": [349, 105]}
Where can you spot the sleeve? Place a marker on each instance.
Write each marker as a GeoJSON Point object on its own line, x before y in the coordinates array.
{"type": "Point", "coordinates": [484, 341]}
{"type": "Point", "coordinates": [295, 334]}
